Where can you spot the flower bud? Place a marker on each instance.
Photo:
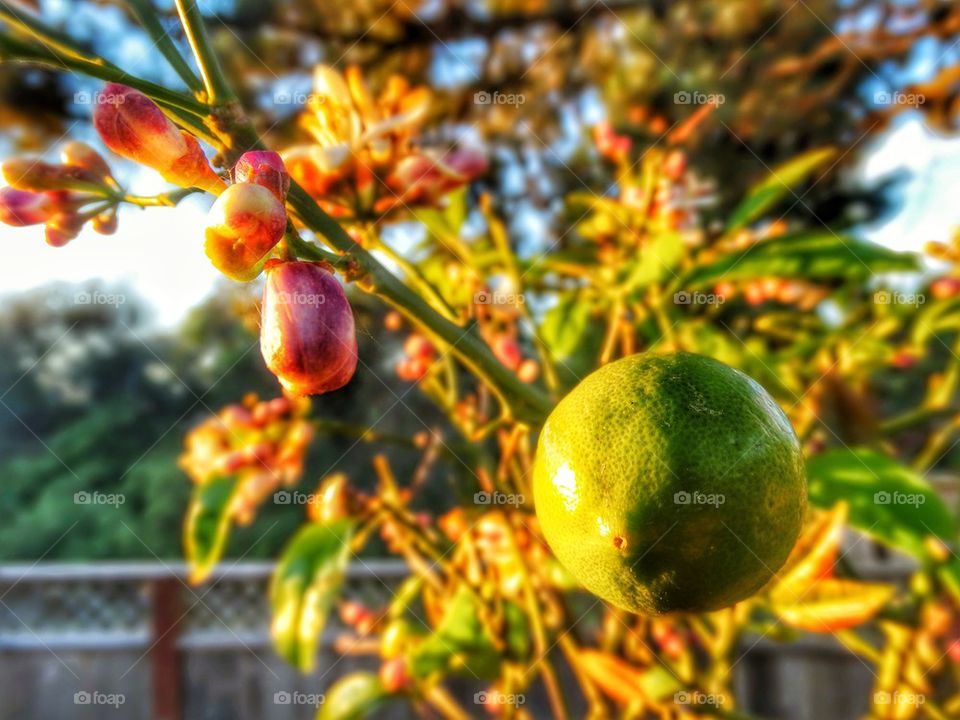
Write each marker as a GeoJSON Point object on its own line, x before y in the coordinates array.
{"type": "Point", "coordinates": [106, 222]}
{"type": "Point", "coordinates": [132, 125]}
{"type": "Point", "coordinates": [19, 207]}
{"type": "Point", "coordinates": [62, 228]}
{"type": "Point", "coordinates": [265, 168]}
{"type": "Point", "coordinates": [38, 176]}
{"type": "Point", "coordinates": [307, 337]}
{"type": "Point", "coordinates": [244, 224]}
{"type": "Point", "coordinates": [79, 154]}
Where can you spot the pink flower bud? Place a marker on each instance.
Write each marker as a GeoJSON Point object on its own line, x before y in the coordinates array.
{"type": "Point", "coordinates": [132, 125]}
{"type": "Point", "coordinates": [265, 168]}
{"type": "Point", "coordinates": [307, 336]}
{"type": "Point", "coordinates": [244, 224]}
{"type": "Point", "coordinates": [38, 176]}
{"type": "Point", "coordinates": [79, 154]}
{"type": "Point", "coordinates": [106, 222]}
{"type": "Point", "coordinates": [422, 178]}
{"type": "Point", "coordinates": [19, 207]}
{"type": "Point", "coordinates": [62, 228]}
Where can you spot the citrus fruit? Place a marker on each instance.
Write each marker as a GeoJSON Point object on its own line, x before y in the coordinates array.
{"type": "Point", "coordinates": [670, 482]}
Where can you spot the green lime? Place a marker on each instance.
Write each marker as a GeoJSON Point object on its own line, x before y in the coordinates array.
{"type": "Point", "coordinates": [670, 483]}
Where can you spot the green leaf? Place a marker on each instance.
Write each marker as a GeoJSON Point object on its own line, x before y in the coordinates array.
{"type": "Point", "coordinates": [780, 182]}
{"type": "Point", "coordinates": [887, 501]}
{"type": "Point", "coordinates": [207, 526]}
{"type": "Point", "coordinates": [935, 318]}
{"type": "Point", "coordinates": [304, 585]}
{"type": "Point", "coordinates": [573, 332]}
{"type": "Point", "coordinates": [818, 255]}
{"type": "Point", "coordinates": [352, 697]}
{"type": "Point", "coordinates": [461, 642]}
{"type": "Point", "coordinates": [656, 262]}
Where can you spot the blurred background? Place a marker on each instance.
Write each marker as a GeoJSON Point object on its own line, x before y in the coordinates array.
{"type": "Point", "coordinates": [113, 348]}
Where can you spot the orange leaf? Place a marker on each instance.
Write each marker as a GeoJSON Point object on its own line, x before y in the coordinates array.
{"type": "Point", "coordinates": [813, 557]}
{"type": "Point", "coordinates": [834, 605]}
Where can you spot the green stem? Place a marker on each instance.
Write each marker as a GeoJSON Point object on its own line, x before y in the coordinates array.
{"type": "Point", "coordinates": [523, 401]}
{"type": "Point", "coordinates": [218, 89]}
{"type": "Point", "coordinates": [168, 199]}
{"type": "Point", "coordinates": [147, 18]}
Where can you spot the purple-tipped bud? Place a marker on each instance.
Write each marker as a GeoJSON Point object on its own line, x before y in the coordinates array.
{"type": "Point", "coordinates": [134, 126]}
{"type": "Point", "coordinates": [265, 168]}
{"type": "Point", "coordinates": [20, 208]}
{"type": "Point", "coordinates": [307, 335]}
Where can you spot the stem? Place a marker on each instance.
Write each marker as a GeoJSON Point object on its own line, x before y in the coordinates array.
{"type": "Point", "coordinates": [523, 401]}
{"type": "Point", "coordinates": [169, 199]}
{"type": "Point", "coordinates": [218, 89]}
{"type": "Point", "coordinates": [147, 18]}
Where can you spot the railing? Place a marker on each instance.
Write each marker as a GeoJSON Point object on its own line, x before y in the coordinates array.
{"type": "Point", "coordinates": [76, 638]}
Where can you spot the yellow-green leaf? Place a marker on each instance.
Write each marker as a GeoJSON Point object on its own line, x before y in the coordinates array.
{"type": "Point", "coordinates": [207, 526]}
{"type": "Point", "coordinates": [307, 579]}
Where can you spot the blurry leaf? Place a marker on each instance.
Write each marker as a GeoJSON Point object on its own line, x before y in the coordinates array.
{"type": "Point", "coordinates": [814, 555]}
{"type": "Point", "coordinates": [935, 318]}
{"type": "Point", "coordinates": [306, 581]}
{"type": "Point", "coordinates": [207, 525]}
{"type": "Point", "coordinates": [352, 697]}
{"type": "Point", "coordinates": [518, 631]}
{"type": "Point", "coordinates": [460, 642]}
{"type": "Point", "coordinates": [625, 683]}
{"type": "Point", "coordinates": [816, 255]}
{"type": "Point", "coordinates": [781, 181]}
{"type": "Point", "coordinates": [574, 334]}
{"type": "Point", "coordinates": [887, 501]}
{"type": "Point", "coordinates": [833, 604]}
{"type": "Point", "coordinates": [656, 262]}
